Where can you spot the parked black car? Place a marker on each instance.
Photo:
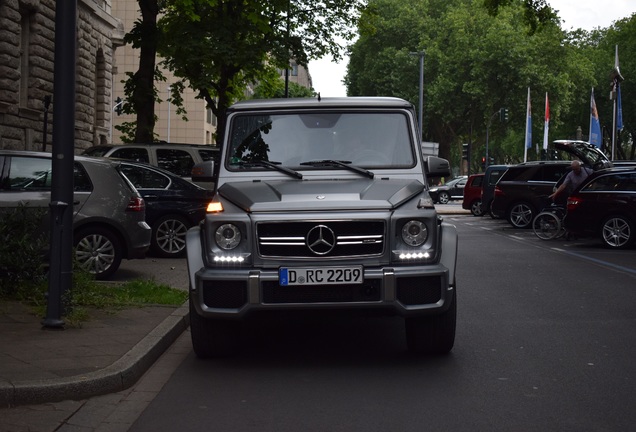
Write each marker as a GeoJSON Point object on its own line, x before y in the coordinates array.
{"type": "Point", "coordinates": [605, 206]}
{"type": "Point", "coordinates": [452, 190]}
{"type": "Point", "coordinates": [492, 174]}
{"type": "Point", "coordinates": [521, 192]}
{"type": "Point", "coordinates": [173, 205]}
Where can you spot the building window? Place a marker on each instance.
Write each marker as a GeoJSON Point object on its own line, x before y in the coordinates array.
{"type": "Point", "coordinates": [294, 69]}
{"type": "Point", "coordinates": [25, 41]}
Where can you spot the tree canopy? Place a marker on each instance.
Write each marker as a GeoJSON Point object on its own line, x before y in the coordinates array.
{"type": "Point", "coordinates": [480, 58]}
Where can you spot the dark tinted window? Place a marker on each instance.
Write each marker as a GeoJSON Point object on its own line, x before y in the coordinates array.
{"type": "Point", "coordinates": [477, 181]}
{"type": "Point", "coordinates": [207, 155]}
{"type": "Point", "coordinates": [143, 178]}
{"type": "Point", "coordinates": [495, 175]}
{"type": "Point", "coordinates": [28, 173]}
{"type": "Point", "coordinates": [176, 161]}
{"type": "Point", "coordinates": [553, 173]}
{"type": "Point", "coordinates": [136, 154]}
{"type": "Point", "coordinates": [624, 182]}
{"type": "Point", "coordinates": [81, 181]}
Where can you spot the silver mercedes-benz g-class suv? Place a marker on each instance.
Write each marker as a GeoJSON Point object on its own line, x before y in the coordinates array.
{"type": "Point", "coordinates": [322, 204]}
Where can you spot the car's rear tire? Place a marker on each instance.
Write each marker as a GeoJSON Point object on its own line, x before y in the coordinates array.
{"type": "Point", "coordinates": [98, 250]}
{"type": "Point", "coordinates": [168, 236]}
{"type": "Point", "coordinates": [213, 338]}
{"type": "Point", "coordinates": [521, 215]}
{"type": "Point", "coordinates": [432, 335]}
{"type": "Point", "coordinates": [617, 232]}
{"type": "Point", "coordinates": [443, 198]}
{"type": "Point", "coordinates": [475, 208]}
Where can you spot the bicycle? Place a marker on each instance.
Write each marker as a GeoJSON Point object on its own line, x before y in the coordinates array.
{"type": "Point", "coordinates": [548, 223]}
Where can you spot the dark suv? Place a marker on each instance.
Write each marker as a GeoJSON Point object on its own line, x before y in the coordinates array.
{"type": "Point", "coordinates": [523, 189]}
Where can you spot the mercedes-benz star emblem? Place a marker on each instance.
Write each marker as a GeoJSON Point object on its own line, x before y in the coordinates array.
{"type": "Point", "coordinates": [321, 240]}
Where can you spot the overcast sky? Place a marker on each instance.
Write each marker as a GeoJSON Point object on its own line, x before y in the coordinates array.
{"type": "Point", "coordinates": [587, 14]}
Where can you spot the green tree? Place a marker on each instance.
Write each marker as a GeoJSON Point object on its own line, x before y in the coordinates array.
{"type": "Point", "coordinates": [475, 63]}
{"type": "Point", "coordinates": [218, 47]}
{"type": "Point", "coordinates": [273, 86]}
{"type": "Point", "coordinates": [139, 87]}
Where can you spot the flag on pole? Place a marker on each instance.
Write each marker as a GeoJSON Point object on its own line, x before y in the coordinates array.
{"type": "Point", "coordinates": [528, 143]}
{"type": "Point", "coordinates": [547, 122]}
{"type": "Point", "coordinates": [595, 125]}
{"type": "Point", "coordinates": [619, 108]}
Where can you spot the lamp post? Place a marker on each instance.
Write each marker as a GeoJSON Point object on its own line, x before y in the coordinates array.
{"type": "Point", "coordinates": [488, 136]}
{"type": "Point", "coordinates": [169, 114]}
{"type": "Point", "coordinates": [421, 101]}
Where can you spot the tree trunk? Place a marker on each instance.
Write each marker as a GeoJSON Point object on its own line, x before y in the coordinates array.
{"type": "Point", "coordinates": [143, 97]}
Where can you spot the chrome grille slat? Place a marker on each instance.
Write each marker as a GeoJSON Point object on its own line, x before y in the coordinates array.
{"type": "Point", "coordinates": [352, 238]}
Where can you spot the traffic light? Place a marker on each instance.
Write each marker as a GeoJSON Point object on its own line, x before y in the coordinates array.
{"type": "Point", "coordinates": [492, 160]}
{"type": "Point", "coordinates": [465, 151]}
{"type": "Point", "coordinates": [503, 114]}
{"type": "Point", "coordinates": [483, 162]}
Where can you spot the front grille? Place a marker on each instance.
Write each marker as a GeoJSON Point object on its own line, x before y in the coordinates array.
{"type": "Point", "coordinates": [273, 293]}
{"type": "Point", "coordinates": [325, 238]}
{"type": "Point", "coordinates": [419, 290]}
{"type": "Point", "coordinates": [227, 294]}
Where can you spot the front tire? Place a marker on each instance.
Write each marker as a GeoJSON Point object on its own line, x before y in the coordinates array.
{"type": "Point", "coordinates": [444, 198]}
{"type": "Point", "coordinates": [212, 338]}
{"type": "Point", "coordinates": [98, 251]}
{"type": "Point", "coordinates": [435, 334]}
{"type": "Point", "coordinates": [617, 232]}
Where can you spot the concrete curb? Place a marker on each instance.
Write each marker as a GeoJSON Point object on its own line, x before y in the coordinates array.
{"type": "Point", "coordinates": [119, 376]}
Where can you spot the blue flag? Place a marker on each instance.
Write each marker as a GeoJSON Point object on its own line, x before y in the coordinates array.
{"type": "Point", "coordinates": [595, 124]}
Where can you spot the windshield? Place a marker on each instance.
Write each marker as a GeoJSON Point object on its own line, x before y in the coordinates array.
{"type": "Point", "coordinates": [369, 139]}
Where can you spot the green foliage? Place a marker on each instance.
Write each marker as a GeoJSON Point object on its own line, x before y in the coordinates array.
{"type": "Point", "coordinates": [22, 245]}
{"type": "Point", "coordinates": [219, 48]}
{"type": "Point", "coordinates": [273, 86]}
{"type": "Point", "coordinates": [481, 56]}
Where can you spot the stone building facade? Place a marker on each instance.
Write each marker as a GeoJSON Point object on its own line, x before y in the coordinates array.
{"type": "Point", "coordinates": [27, 51]}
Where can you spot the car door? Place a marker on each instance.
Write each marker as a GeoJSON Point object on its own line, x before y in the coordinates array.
{"type": "Point", "coordinates": [457, 191]}
{"type": "Point", "coordinates": [27, 180]}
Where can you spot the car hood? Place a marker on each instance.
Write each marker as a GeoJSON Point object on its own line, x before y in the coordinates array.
{"type": "Point", "coordinates": [358, 194]}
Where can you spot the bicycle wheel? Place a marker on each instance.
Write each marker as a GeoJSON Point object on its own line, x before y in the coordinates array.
{"type": "Point", "coordinates": [547, 226]}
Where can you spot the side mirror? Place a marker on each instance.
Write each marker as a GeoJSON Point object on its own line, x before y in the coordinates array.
{"type": "Point", "coordinates": [436, 167]}
{"type": "Point", "coordinates": [203, 174]}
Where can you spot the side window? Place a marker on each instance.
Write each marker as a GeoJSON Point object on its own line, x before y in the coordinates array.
{"type": "Point", "coordinates": [136, 154]}
{"type": "Point", "coordinates": [207, 155]}
{"type": "Point", "coordinates": [81, 181]}
{"type": "Point", "coordinates": [27, 173]}
{"type": "Point", "coordinates": [477, 181]}
{"type": "Point", "coordinates": [553, 173]}
{"type": "Point", "coordinates": [143, 178]}
{"type": "Point", "coordinates": [177, 161]}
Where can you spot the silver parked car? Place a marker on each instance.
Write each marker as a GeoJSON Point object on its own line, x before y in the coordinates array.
{"type": "Point", "coordinates": [108, 215]}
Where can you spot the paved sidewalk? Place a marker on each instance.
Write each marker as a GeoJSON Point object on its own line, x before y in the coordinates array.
{"type": "Point", "coordinates": [109, 353]}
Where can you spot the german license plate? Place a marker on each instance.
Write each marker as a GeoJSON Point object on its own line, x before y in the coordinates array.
{"type": "Point", "coordinates": [320, 275]}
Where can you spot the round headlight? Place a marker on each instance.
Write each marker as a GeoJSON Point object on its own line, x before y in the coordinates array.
{"type": "Point", "coordinates": [227, 236]}
{"type": "Point", "coordinates": [414, 233]}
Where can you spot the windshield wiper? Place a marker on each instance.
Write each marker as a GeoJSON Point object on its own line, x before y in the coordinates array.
{"type": "Point", "coordinates": [339, 163]}
{"type": "Point", "coordinates": [274, 165]}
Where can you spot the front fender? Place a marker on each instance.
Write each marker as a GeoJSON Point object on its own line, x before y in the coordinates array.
{"type": "Point", "coordinates": [194, 253]}
{"type": "Point", "coordinates": [450, 242]}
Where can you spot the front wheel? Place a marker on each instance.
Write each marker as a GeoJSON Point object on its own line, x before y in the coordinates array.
{"type": "Point", "coordinates": [617, 232]}
{"type": "Point", "coordinates": [443, 198]}
{"type": "Point", "coordinates": [547, 226]}
{"type": "Point", "coordinates": [520, 215]}
{"type": "Point", "coordinates": [432, 335]}
{"type": "Point", "coordinates": [98, 251]}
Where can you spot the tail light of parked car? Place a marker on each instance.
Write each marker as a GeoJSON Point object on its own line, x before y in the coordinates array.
{"type": "Point", "coordinates": [136, 204]}
{"type": "Point", "coordinates": [573, 203]}
{"type": "Point", "coordinates": [498, 192]}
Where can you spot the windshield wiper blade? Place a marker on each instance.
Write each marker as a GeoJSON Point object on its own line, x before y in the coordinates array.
{"type": "Point", "coordinates": [340, 163]}
{"type": "Point", "coordinates": [274, 165]}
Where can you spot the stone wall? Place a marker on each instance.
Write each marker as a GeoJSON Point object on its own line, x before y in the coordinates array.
{"type": "Point", "coordinates": [24, 84]}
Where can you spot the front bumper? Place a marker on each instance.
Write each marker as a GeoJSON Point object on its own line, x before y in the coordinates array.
{"type": "Point", "coordinates": [234, 293]}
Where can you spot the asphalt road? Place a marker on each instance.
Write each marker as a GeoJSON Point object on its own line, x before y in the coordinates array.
{"type": "Point", "coordinates": [546, 341]}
